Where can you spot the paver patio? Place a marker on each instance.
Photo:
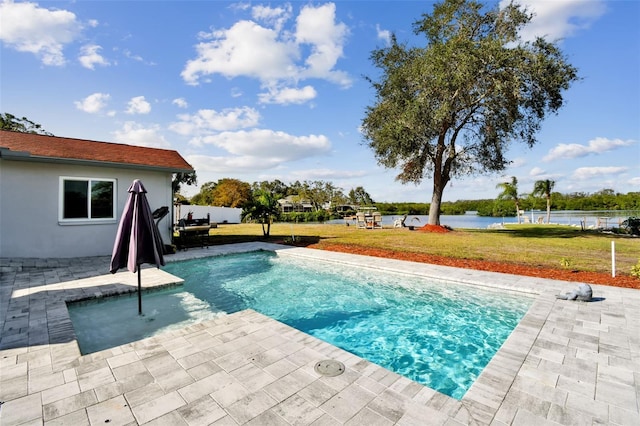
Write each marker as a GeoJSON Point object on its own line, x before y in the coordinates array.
{"type": "Point", "coordinates": [565, 363]}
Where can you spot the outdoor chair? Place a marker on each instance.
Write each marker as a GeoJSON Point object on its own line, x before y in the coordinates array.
{"type": "Point", "coordinates": [377, 221]}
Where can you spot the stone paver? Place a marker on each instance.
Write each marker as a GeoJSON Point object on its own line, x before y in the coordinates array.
{"type": "Point", "coordinates": [565, 363]}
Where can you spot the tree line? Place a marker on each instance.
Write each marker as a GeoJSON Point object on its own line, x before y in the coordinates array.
{"type": "Point", "coordinates": [329, 201]}
{"type": "Point", "coordinates": [228, 192]}
{"type": "Point", "coordinates": [605, 199]}
{"type": "Point", "coordinates": [259, 200]}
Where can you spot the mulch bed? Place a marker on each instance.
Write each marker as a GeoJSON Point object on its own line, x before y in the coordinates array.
{"type": "Point", "coordinates": [433, 228]}
{"type": "Point", "coordinates": [626, 281]}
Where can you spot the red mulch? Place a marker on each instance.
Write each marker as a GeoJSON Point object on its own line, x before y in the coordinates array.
{"type": "Point", "coordinates": [433, 228]}
{"type": "Point", "coordinates": [626, 281]}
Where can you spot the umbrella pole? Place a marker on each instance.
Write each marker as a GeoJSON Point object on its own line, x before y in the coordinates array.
{"type": "Point", "coordinates": [139, 293]}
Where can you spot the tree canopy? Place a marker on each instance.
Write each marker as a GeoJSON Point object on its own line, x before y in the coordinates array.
{"type": "Point", "coordinates": [183, 178]}
{"type": "Point", "coordinates": [453, 107]}
{"type": "Point", "coordinates": [544, 187]}
{"type": "Point", "coordinates": [360, 197]}
{"type": "Point", "coordinates": [263, 208]}
{"type": "Point", "coordinates": [226, 192]}
{"type": "Point", "coordinates": [22, 125]}
{"type": "Point", "coordinates": [510, 192]}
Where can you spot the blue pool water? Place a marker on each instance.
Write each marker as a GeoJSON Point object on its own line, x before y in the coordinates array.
{"type": "Point", "coordinates": [436, 333]}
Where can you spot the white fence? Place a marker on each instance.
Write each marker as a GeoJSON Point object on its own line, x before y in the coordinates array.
{"type": "Point", "coordinates": [216, 214]}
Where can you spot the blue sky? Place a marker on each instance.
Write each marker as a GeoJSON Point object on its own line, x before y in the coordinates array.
{"type": "Point", "coordinates": [275, 90]}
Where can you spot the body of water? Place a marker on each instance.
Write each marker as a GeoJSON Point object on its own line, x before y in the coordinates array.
{"type": "Point", "coordinates": [591, 219]}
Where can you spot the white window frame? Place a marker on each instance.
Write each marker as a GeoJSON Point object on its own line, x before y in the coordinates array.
{"type": "Point", "coordinates": [86, 220]}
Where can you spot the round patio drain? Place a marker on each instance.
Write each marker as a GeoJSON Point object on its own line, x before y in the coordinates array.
{"type": "Point", "coordinates": [329, 368]}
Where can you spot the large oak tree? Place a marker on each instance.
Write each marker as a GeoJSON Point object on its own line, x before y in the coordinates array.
{"type": "Point", "coordinates": [453, 107]}
{"type": "Point", "coordinates": [22, 125]}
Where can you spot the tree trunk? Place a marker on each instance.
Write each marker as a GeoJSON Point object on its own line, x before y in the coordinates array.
{"type": "Point", "coordinates": [440, 180]}
{"type": "Point", "coordinates": [434, 208]}
{"type": "Point", "coordinates": [518, 212]}
{"type": "Point", "coordinates": [548, 210]}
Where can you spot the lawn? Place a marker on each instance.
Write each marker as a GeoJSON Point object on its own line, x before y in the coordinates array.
{"type": "Point", "coordinates": [540, 246]}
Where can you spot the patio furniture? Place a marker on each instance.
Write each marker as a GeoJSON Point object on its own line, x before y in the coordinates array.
{"type": "Point", "coordinates": [377, 220]}
{"type": "Point", "coordinates": [368, 218]}
{"type": "Point", "coordinates": [193, 233]}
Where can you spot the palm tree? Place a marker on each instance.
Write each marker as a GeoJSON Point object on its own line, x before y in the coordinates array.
{"type": "Point", "coordinates": [544, 187]}
{"type": "Point", "coordinates": [263, 208]}
{"type": "Point", "coordinates": [510, 192]}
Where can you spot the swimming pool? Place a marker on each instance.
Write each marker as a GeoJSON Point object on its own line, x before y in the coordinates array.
{"type": "Point", "coordinates": [437, 333]}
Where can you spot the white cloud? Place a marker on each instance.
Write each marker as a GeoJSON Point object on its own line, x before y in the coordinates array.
{"type": "Point", "coordinates": [288, 95]}
{"type": "Point", "coordinates": [536, 171]}
{"type": "Point", "coordinates": [180, 102]}
{"type": "Point", "coordinates": [138, 105]}
{"type": "Point", "coordinates": [316, 26]}
{"type": "Point", "coordinates": [559, 19]}
{"type": "Point", "coordinates": [595, 146]}
{"type": "Point", "coordinates": [239, 6]}
{"type": "Point", "coordinates": [206, 121]}
{"type": "Point", "coordinates": [236, 92]}
{"type": "Point", "coordinates": [27, 27]}
{"type": "Point", "coordinates": [128, 54]}
{"type": "Point", "coordinates": [135, 57]}
{"type": "Point", "coordinates": [256, 150]}
{"type": "Point", "coordinates": [635, 181]}
{"type": "Point", "coordinates": [270, 54]}
{"type": "Point", "coordinates": [245, 49]}
{"type": "Point", "coordinates": [264, 150]}
{"type": "Point", "coordinates": [90, 56]}
{"type": "Point", "coordinates": [517, 162]}
{"type": "Point", "coordinates": [133, 133]}
{"type": "Point", "coordinates": [384, 35]}
{"type": "Point", "coordinates": [326, 174]}
{"type": "Point", "coordinates": [592, 172]}
{"type": "Point", "coordinates": [269, 145]}
{"type": "Point", "coordinates": [230, 165]}
{"type": "Point", "coordinates": [273, 16]}
{"type": "Point", "coordinates": [93, 103]}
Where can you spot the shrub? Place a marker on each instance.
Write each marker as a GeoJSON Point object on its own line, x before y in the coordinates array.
{"type": "Point", "coordinates": [635, 270]}
{"type": "Point", "coordinates": [565, 262]}
{"type": "Point", "coordinates": [296, 217]}
{"type": "Point", "coordinates": [631, 225]}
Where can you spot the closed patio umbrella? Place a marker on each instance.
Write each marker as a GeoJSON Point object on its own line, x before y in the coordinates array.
{"type": "Point", "coordinates": [138, 240]}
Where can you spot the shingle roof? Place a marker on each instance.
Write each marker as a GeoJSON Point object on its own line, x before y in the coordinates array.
{"type": "Point", "coordinates": [54, 148]}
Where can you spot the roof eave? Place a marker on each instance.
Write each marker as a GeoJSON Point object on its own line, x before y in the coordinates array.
{"type": "Point", "coordinates": [7, 154]}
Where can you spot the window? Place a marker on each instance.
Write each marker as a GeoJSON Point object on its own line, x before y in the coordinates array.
{"type": "Point", "coordinates": [87, 199]}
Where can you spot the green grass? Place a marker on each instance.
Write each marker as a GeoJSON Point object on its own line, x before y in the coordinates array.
{"type": "Point", "coordinates": [551, 246]}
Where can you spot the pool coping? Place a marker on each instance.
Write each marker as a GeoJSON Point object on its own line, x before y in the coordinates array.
{"type": "Point", "coordinates": [564, 360]}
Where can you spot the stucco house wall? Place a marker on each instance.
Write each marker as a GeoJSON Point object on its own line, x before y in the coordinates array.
{"type": "Point", "coordinates": [31, 171]}
{"type": "Point", "coordinates": [29, 220]}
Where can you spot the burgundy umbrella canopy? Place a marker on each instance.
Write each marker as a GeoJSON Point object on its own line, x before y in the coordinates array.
{"type": "Point", "coordinates": [138, 240]}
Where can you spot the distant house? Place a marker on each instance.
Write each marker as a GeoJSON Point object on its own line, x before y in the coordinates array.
{"type": "Point", "coordinates": [63, 197]}
{"type": "Point", "coordinates": [294, 203]}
